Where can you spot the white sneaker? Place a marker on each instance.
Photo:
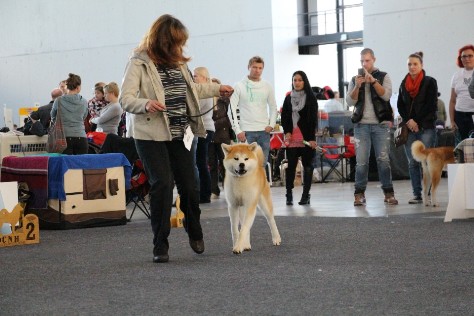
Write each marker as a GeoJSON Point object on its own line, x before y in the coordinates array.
{"type": "Point", "coordinates": [214, 196]}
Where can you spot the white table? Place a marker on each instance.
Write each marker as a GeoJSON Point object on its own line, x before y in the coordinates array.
{"type": "Point", "coordinates": [461, 193]}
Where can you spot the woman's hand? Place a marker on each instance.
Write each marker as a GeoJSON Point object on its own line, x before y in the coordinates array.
{"type": "Point", "coordinates": [153, 106]}
{"type": "Point", "coordinates": [413, 126]}
{"type": "Point", "coordinates": [226, 91]}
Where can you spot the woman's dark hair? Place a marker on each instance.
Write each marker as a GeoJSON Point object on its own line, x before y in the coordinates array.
{"type": "Point", "coordinates": [418, 55]}
{"type": "Point", "coordinates": [307, 86]}
{"type": "Point", "coordinates": [73, 81]}
{"type": "Point", "coordinates": [459, 60]}
{"type": "Point", "coordinates": [164, 41]}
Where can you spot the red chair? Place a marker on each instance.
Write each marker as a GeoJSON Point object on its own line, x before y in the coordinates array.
{"type": "Point", "coordinates": [332, 154]}
{"type": "Point", "coordinates": [349, 155]}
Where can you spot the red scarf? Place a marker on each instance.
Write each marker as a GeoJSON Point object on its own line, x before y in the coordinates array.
{"type": "Point", "coordinates": [413, 85]}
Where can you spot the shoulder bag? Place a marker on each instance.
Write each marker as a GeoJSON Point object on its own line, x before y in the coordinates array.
{"type": "Point", "coordinates": [400, 136]}
{"type": "Point", "coordinates": [56, 137]}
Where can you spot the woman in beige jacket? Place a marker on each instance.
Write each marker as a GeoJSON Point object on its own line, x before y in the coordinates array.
{"type": "Point", "coordinates": [158, 89]}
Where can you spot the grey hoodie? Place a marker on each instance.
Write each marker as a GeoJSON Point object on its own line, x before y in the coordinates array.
{"type": "Point", "coordinates": [73, 112]}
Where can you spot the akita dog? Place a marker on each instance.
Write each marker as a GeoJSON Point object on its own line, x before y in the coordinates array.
{"type": "Point", "coordinates": [245, 188]}
{"type": "Point", "coordinates": [433, 161]}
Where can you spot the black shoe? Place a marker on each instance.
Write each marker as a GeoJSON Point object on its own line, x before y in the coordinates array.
{"type": "Point", "coordinates": [203, 200]}
{"type": "Point", "coordinates": [304, 199]}
{"type": "Point", "coordinates": [197, 245]}
{"type": "Point", "coordinates": [161, 258]}
{"type": "Point", "coordinates": [289, 197]}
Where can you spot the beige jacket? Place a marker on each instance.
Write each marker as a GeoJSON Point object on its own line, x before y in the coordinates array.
{"type": "Point", "coordinates": [141, 82]}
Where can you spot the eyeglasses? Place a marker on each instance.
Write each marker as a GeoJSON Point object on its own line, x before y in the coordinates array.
{"type": "Point", "coordinates": [467, 56]}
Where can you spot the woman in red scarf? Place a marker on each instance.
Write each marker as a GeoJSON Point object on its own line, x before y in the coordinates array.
{"type": "Point", "coordinates": [417, 105]}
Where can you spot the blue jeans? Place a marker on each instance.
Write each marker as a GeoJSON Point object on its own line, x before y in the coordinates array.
{"type": "Point", "coordinates": [428, 138]}
{"type": "Point", "coordinates": [165, 163]}
{"type": "Point", "coordinates": [263, 139]}
{"type": "Point", "coordinates": [202, 161]}
{"type": "Point", "coordinates": [378, 135]}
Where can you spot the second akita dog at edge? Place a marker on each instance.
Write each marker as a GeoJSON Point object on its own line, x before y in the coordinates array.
{"type": "Point", "coordinates": [246, 187]}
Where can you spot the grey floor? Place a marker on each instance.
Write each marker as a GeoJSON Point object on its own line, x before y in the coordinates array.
{"type": "Point", "coordinates": [335, 199]}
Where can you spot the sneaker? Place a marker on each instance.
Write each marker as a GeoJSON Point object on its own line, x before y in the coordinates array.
{"type": "Point", "coordinates": [214, 196]}
{"type": "Point", "coordinates": [359, 199]}
{"type": "Point", "coordinates": [390, 199]}
{"type": "Point", "coordinates": [416, 200]}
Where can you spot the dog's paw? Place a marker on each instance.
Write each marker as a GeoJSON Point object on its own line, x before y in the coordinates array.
{"type": "Point", "coordinates": [435, 204]}
{"type": "Point", "coordinates": [237, 250]}
{"type": "Point", "coordinates": [277, 241]}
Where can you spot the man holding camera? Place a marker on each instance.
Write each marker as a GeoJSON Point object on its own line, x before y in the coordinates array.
{"type": "Point", "coordinates": [369, 92]}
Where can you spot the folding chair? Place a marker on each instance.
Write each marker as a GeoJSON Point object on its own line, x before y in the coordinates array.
{"type": "Point", "coordinates": [349, 155]}
{"type": "Point", "coordinates": [139, 189]}
{"type": "Point", "coordinates": [332, 154]}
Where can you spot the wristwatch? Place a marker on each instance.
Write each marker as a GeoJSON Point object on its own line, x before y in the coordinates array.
{"type": "Point", "coordinates": [375, 81]}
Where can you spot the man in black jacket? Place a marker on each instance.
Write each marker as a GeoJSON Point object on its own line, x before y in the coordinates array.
{"type": "Point", "coordinates": [44, 112]}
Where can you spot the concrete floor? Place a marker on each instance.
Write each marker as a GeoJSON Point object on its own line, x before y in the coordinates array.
{"type": "Point", "coordinates": [335, 199]}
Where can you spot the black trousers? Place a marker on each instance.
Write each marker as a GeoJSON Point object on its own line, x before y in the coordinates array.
{"type": "Point", "coordinates": [464, 122]}
{"type": "Point", "coordinates": [165, 163]}
{"type": "Point", "coordinates": [76, 146]}
{"type": "Point", "coordinates": [307, 156]}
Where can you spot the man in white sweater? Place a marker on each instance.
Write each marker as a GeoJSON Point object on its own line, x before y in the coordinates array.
{"type": "Point", "coordinates": [253, 109]}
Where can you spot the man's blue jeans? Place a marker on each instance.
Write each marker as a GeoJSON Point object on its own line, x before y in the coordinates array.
{"type": "Point", "coordinates": [263, 139]}
{"type": "Point", "coordinates": [378, 135]}
{"type": "Point", "coordinates": [428, 138]}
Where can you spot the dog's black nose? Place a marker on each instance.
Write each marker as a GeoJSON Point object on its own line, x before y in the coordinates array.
{"type": "Point", "coordinates": [241, 165]}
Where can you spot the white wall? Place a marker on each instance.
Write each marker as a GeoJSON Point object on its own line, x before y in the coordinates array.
{"type": "Point", "coordinates": [395, 29]}
{"type": "Point", "coordinates": [42, 41]}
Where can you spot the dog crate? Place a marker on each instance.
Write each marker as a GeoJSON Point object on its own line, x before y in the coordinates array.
{"type": "Point", "coordinates": [21, 145]}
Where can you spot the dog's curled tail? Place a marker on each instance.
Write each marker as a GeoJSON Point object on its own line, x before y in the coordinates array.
{"type": "Point", "coordinates": [418, 151]}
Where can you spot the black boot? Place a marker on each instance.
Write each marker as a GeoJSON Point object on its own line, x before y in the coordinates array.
{"type": "Point", "coordinates": [289, 197]}
{"type": "Point", "coordinates": [305, 199]}
{"type": "Point", "coordinates": [307, 179]}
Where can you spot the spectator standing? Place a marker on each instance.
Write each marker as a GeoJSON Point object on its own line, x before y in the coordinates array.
{"type": "Point", "coordinates": [109, 116]}
{"type": "Point", "coordinates": [254, 109]}
{"type": "Point", "coordinates": [299, 121]}
{"type": "Point", "coordinates": [95, 105]}
{"type": "Point", "coordinates": [63, 86]}
{"type": "Point", "coordinates": [461, 105]}
{"type": "Point", "coordinates": [44, 112]}
{"type": "Point", "coordinates": [417, 105]}
{"type": "Point", "coordinates": [201, 75]}
{"type": "Point", "coordinates": [222, 135]}
{"type": "Point", "coordinates": [73, 113]}
{"type": "Point", "coordinates": [370, 94]}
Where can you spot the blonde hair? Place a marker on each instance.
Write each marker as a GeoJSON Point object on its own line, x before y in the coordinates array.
{"type": "Point", "coordinates": [202, 71]}
{"type": "Point", "coordinates": [112, 87]}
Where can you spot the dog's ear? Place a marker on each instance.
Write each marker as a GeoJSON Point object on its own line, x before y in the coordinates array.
{"type": "Point", "coordinates": [226, 148]}
{"type": "Point", "coordinates": [253, 146]}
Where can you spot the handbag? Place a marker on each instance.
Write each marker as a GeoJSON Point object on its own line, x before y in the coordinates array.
{"type": "Point", "coordinates": [56, 137]}
{"type": "Point", "coordinates": [400, 136]}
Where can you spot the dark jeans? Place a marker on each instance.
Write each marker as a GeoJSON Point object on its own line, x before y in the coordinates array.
{"type": "Point", "coordinates": [163, 162]}
{"type": "Point", "coordinates": [76, 146]}
{"type": "Point", "coordinates": [464, 122]}
{"type": "Point", "coordinates": [216, 166]}
{"type": "Point", "coordinates": [202, 162]}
